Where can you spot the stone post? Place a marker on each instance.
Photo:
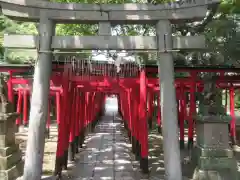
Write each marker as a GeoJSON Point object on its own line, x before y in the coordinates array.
{"type": "Point", "coordinates": [213, 156]}
{"type": "Point", "coordinates": [11, 164]}
{"type": "Point", "coordinates": [104, 29]}
{"type": "Point", "coordinates": [172, 161]}
{"type": "Point", "coordinates": [39, 101]}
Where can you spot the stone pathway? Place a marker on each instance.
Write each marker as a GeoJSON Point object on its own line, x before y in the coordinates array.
{"type": "Point", "coordinates": [106, 154]}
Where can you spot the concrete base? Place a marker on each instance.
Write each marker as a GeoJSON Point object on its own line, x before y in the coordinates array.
{"type": "Point", "coordinates": [150, 123]}
{"type": "Point", "coordinates": [144, 165]}
{"type": "Point", "coordinates": [11, 164]}
{"type": "Point", "coordinates": [214, 164]}
{"type": "Point", "coordinates": [77, 144]}
{"type": "Point", "coordinates": [133, 145]}
{"type": "Point", "coordinates": [65, 160]}
{"type": "Point", "coordinates": [138, 151]}
{"type": "Point", "coordinates": [7, 162]}
{"type": "Point", "coordinates": [71, 151]}
{"type": "Point", "coordinates": [190, 143]}
{"type": "Point", "coordinates": [212, 155]}
{"type": "Point", "coordinates": [58, 166]}
{"type": "Point", "coordinates": [13, 172]}
{"type": "Point", "coordinates": [214, 175]}
{"type": "Point", "coordinates": [182, 144]}
{"type": "Point", "coordinates": [159, 129]}
{"type": "Point", "coordinates": [8, 150]}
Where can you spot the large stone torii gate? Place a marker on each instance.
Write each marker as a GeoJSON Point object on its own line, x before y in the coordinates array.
{"type": "Point", "coordinates": [50, 13]}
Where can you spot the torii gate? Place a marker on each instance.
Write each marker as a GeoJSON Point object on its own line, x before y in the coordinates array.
{"type": "Point", "coordinates": [50, 13]}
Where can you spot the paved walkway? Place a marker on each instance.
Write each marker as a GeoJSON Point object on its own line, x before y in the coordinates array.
{"type": "Point", "coordinates": [107, 154]}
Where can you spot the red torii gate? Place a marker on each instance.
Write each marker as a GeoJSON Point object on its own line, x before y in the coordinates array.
{"type": "Point", "coordinates": [102, 83]}
{"type": "Point", "coordinates": [132, 91]}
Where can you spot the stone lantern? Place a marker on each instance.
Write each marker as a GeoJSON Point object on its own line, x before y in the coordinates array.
{"type": "Point", "coordinates": [212, 154]}
{"type": "Point", "coordinates": [11, 164]}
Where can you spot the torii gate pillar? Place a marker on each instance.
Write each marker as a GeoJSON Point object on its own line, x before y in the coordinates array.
{"type": "Point", "coordinates": [39, 101]}
{"type": "Point", "coordinates": [172, 161]}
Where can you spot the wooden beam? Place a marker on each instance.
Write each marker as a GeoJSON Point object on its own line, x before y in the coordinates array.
{"type": "Point", "coordinates": [104, 42]}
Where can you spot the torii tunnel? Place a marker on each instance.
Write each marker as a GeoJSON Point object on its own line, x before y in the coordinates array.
{"type": "Point", "coordinates": [80, 89]}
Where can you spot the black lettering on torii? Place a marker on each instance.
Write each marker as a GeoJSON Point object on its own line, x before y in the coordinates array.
{"type": "Point", "coordinates": [181, 2]}
{"type": "Point", "coordinates": [178, 2]}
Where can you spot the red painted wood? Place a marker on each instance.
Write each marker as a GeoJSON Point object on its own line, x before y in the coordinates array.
{"type": "Point", "coordinates": [159, 111]}
{"type": "Point", "coordinates": [86, 113]}
{"type": "Point", "coordinates": [192, 110]}
{"type": "Point", "coordinates": [143, 115]}
{"type": "Point", "coordinates": [58, 107]}
{"type": "Point", "coordinates": [232, 113]}
{"type": "Point", "coordinates": [82, 111]}
{"type": "Point", "coordinates": [150, 104]}
{"type": "Point", "coordinates": [25, 107]}
{"type": "Point", "coordinates": [49, 114]}
{"type": "Point", "coordinates": [72, 115]}
{"type": "Point", "coordinates": [10, 88]}
{"type": "Point", "coordinates": [62, 143]}
{"type": "Point", "coordinates": [135, 99]}
{"type": "Point", "coordinates": [77, 110]}
{"type": "Point", "coordinates": [19, 107]}
{"type": "Point", "coordinates": [129, 109]}
{"type": "Point", "coordinates": [182, 112]}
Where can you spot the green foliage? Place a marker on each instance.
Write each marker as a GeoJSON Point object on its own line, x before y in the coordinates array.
{"type": "Point", "coordinates": [229, 7]}
{"type": "Point", "coordinates": [225, 31]}
{"type": "Point", "coordinates": [223, 38]}
{"type": "Point", "coordinates": [221, 28]}
{"type": "Point", "coordinates": [8, 26]}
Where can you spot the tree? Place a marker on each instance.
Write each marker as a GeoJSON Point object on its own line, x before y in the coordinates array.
{"type": "Point", "coordinates": [8, 26]}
